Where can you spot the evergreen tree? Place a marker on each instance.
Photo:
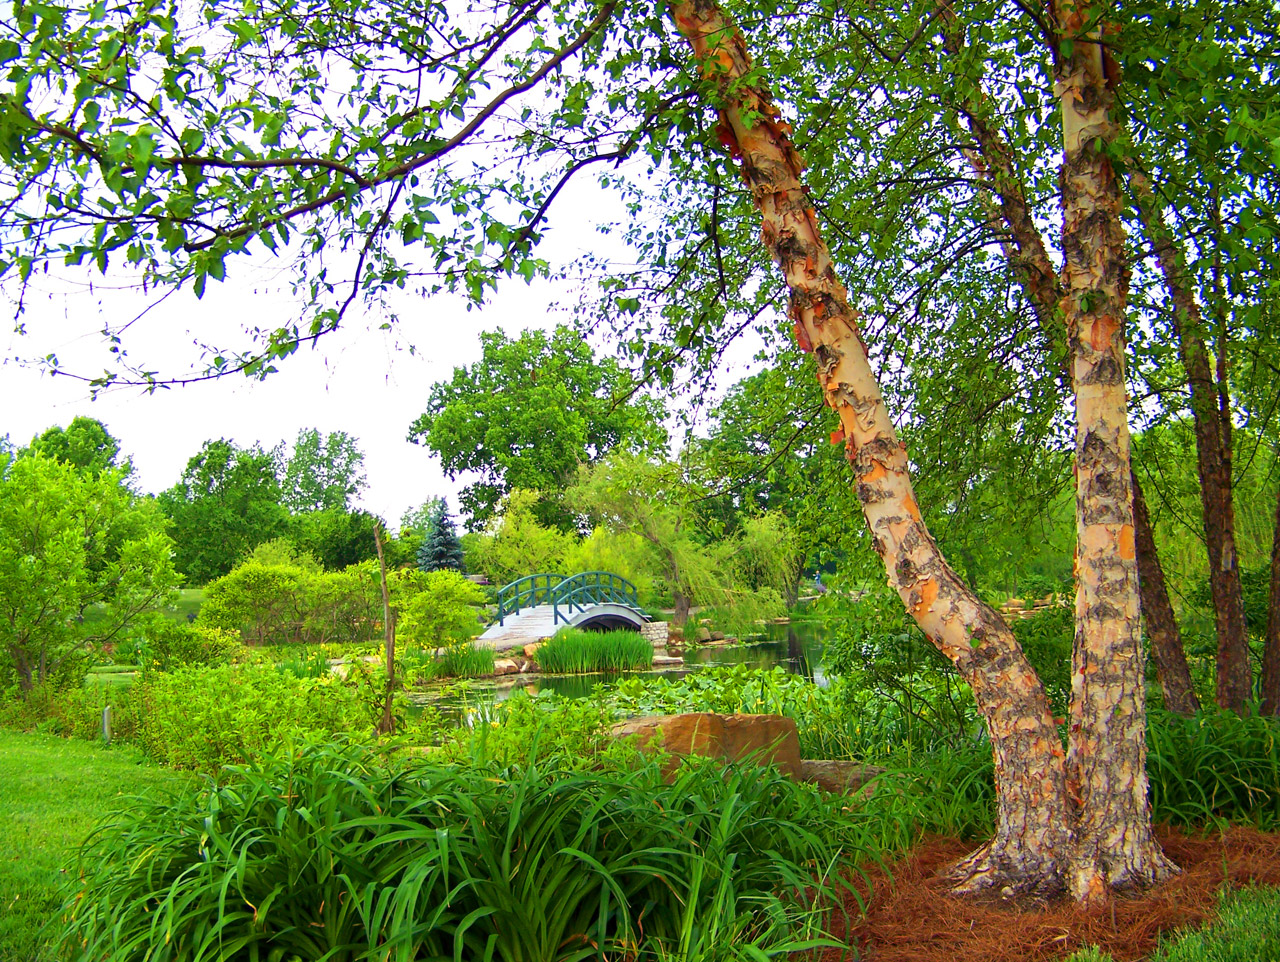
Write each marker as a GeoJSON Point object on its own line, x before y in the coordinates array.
{"type": "Point", "coordinates": [441, 548]}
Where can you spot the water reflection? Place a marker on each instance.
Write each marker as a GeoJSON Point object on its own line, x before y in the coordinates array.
{"type": "Point", "coordinates": [797, 647]}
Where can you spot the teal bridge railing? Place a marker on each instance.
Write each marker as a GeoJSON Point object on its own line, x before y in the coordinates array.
{"type": "Point", "coordinates": [566, 595]}
{"type": "Point", "coordinates": [527, 592]}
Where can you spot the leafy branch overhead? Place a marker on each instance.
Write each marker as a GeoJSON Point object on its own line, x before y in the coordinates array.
{"type": "Point", "coordinates": [174, 136]}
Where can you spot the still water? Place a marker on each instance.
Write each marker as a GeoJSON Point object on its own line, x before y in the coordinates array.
{"type": "Point", "coordinates": [797, 647]}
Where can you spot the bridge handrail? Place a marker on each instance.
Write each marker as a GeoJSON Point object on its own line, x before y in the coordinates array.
{"type": "Point", "coordinates": [595, 587]}
{"type": "Point", "coordinates": [526, 592]}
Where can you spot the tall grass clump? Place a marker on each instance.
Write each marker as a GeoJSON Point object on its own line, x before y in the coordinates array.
{"type": "Point", "coordinates": [572, 650]}
{"type": "Point", "coordinates": [1214, 764]}
{"type": "Point", "coordinates": [459, 660]}
{"type": "Point", "coordinates": [465, 661]}
{"type": "Point", "coordinates": [329, 852]}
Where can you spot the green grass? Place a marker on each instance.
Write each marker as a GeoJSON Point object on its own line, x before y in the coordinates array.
{"type": "Point", "coordinates": [572, 650]}
{"type": "Point", "coordinates": [1247, 929]}
{"type": "Point", "coordinates": [54, 791]}
{"type": "Point", "coordinates": [188, 603]}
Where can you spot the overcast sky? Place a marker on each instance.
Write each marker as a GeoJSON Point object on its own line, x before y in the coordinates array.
{"type": "Point", "coordinates": [359, 380]}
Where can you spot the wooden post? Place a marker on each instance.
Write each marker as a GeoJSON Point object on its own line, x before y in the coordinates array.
{"type": "Point", "coordinates": [106, 724]}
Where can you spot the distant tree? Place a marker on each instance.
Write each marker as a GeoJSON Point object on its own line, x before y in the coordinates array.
{"type": "Point", "coordinates": [336, 537]}
{"type": "Point", "coordinates": [85, 443]}
{"type": "Point", "coordinates": [441, 548]}
{"type": "Point", "coordinates": [82, 561]}
{"type": "Point", "coordinates": [321, 472]}
{"type": "Point", "coordinates": [226, 504]}
{"type": "Point", "coordinates": [516, 543]}
{"type": "Point", "coordinates": [527, 414]}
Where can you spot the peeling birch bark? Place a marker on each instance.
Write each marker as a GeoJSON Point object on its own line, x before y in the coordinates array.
{"type": "Point", "coordinates": [1028, 256]}
{"type": "Point", "coordinates": [1235, 678]}
{"type": "Point", "coordinates": [1106, 755]}
{"type": "Point", "coordinates": [1033, 827]}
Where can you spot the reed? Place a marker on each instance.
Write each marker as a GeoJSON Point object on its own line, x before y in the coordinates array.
{"type": "Point", "coordinates": [574, 651]}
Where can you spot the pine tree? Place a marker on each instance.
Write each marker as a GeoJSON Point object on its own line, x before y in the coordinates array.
{"type": "Point", "coordinates": [441, 547]}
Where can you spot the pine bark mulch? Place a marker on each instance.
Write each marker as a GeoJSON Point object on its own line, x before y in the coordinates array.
{"type": "Point", "coordinates": [911, 918]}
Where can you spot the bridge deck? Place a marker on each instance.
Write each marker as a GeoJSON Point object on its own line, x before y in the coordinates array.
{"type": "Point", "coordinates": [528, 625]}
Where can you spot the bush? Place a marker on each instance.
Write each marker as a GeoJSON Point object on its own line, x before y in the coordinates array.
{"type": "Point", "coordinates": [173, 645]}
{"type": "Point", "coordinates": [204, 717]}
{"type": "Point", "coordinates": [1046, 639]}
{"type": "Point", "coordinates": [329, 851]}
{"type": "Point", "coordinates": [281, 604]}
{"type": "Point", "coordinates": [573, 650]}
{"type": "Point", "coordinates": [74, 712]}
{"type": "Point", "coordinates": [436, 608]}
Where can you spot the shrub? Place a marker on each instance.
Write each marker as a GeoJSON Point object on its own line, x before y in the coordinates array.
{"type": "Point", "coordinates": [1046, 639]}
{"type": "Point", "coordinates": [279, 604]}
{"type": "Point", "coordinates": [437, 607]}
{"type": "Point", "coordinates": [263, 602]}
{"type": "Point", "coordinates": [575, 650]}
{"type": "Point", "coordinates": [204, 717]}
{"type": "Point", "coordinates": [74, 712]}
{"type": "Point", "coordinates": [172, 645]}
{"type": "Point", "coordinates": [328, 852]}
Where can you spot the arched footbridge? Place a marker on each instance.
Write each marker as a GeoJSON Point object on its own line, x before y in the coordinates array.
{"type": "Point", "coordinates": [536, 606]}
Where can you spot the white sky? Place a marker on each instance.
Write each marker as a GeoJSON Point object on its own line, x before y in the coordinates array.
{"type": "Point", "coordinates": [359, 379]}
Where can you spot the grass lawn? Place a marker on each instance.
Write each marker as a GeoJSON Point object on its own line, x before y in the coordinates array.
{"type": "Point", "coordinates": [188, 603]}
{"type": "Point", "coordinates": [54, 791]}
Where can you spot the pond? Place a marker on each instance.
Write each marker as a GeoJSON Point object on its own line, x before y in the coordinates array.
{"type": "Point", "coordinates": [797, 647]}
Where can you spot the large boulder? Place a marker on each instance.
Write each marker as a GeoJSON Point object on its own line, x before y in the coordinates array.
{"type": "Point", "coordinates": [839, 777]}
{"type": "Point", "coordinates": [763, 739]}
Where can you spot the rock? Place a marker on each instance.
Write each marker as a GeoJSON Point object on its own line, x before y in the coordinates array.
{"type": "Point", "coordinates": [840, 777]}
{"type": "Point", "coordinates": [717, 636]}
{"type": "Point", "coordinates": [505, 666]}
{"type": "Point", "coordinates": [667, 661]}
{"type": "Point", "coordinates": [704, 634]}
{"type": "Point", "coordinates": [761, 739]}
{"type": "Point", "coordinates": [531, 650]}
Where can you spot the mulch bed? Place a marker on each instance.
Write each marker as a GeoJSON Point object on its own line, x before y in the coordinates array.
{"type": "Point", "coordinates": [911, 918]}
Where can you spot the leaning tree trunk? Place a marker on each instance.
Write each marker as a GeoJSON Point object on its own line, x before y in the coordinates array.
{"type": "Point", "coordinates": [1106, 755]}
{"type": "Point", "coordinates": [1271, 652]}
{"type": "Point", "coordinates": [1034, 822]}
{"type": "Point", "coordinates": [1162, 624]}
{"type": "Point", "coordinates": [1028, 257]}
{"type": "Point", "coordinates": [1213, 457]}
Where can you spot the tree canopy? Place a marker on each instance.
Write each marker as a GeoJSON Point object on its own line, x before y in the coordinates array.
{"type": "Point", "coordinates": [528, 413]}
{"type": "Point", "coordinates": [225, 504]}
{"type": "Point", "coordinates": [82, 561]}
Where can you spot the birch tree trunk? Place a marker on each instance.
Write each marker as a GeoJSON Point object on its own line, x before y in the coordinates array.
{"type": "Point", "coordinates": [1034, 821]}
{"type": "Point", "coordinates": [1213, 456]}
{"type": "Point", "coordinates": [1106, 755]}
{"type": "Point", "coordinates": [1028, 257]}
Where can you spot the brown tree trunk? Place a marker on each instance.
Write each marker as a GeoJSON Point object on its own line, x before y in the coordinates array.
{"type": "Point", "coordinates": [387, 724]}
{"type": "Point", "coordinates": [680, 602]}
{"type": "Point", "coordinates": [1162, 624]}
{"type": "Point", "coordinates": [1106, 754]}
{"type": "Point", "coordinates": [1033, 825]}
{"type": "Point", "coordinates": [1211, 419]}
{"type": "Point", "coordinates": [1271, 653]}
{"type": "Point", "coordinates": [1025, 250]}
